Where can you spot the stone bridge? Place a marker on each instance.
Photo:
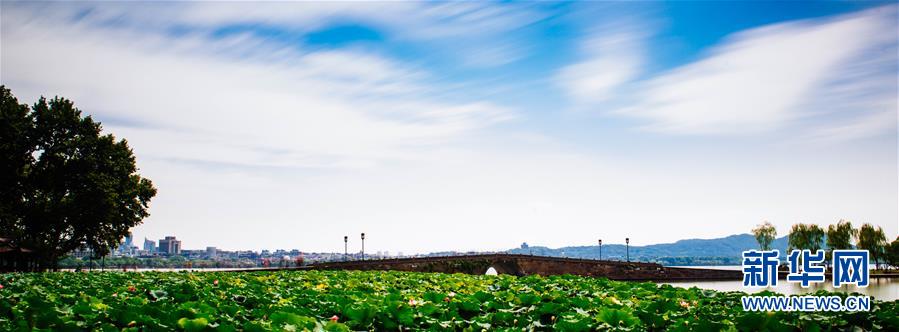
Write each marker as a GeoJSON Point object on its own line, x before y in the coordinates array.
{"type": "Point", "coordinates": [521, 265]}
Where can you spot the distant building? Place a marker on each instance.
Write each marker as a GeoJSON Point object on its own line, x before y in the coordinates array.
{"type": "Point", "coordinates": [128, 240]}
{"type": "Point", "coordinates": [169, 246]}
{"type": "Point", "coordinates": [211, 252]}
{"type": "Point", "coordinates": [149, 246]}
{"type": "Point", "coordinates": [192, 254]}
{"type": "Point", "coordinates": [125, 248]}
{"type": "Point", "coordinates": [82, 252]}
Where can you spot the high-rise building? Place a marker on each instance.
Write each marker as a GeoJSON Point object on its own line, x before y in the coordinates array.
{"type": "Point", "coordinates": [125, 247]}
{"type": "Point", "coordinates": [169, 246]}
{"type": "Point", "coordinates": [211, 252]}
{"type": "Point", "coordinates": [149, 246]}
{"type": "Point", "coordinates": [128, 240]}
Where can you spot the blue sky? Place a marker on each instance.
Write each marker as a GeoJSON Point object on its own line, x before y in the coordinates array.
{"type": "Point", "coordinates": [478, 126]}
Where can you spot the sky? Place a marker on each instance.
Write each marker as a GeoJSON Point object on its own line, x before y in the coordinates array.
{"type": "Point", "coordinates": [435, 126]}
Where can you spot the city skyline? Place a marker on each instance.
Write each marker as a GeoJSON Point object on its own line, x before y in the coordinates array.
{"type": "Point", "coordinates": [479, 126]}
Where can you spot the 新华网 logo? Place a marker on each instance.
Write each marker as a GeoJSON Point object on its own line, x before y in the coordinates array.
{"type": "Point", "coordinates": [849, 267]}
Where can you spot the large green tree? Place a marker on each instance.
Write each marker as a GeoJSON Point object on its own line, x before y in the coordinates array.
{"type": "Point", "coordinates": [841, 235]}
{"type": "Point", "coordinates": [806, 236]}
{"type": "Point", "coordinates": [874, 240]}
{"type": "Point", "coordinates": [892, 253]}
{"type": "Point", "coordinates": [63, 183]}
{"type": "Point", "coordinates": [765, 235]}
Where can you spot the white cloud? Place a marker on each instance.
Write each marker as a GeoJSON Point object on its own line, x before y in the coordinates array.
{"type": "Point", "coordinates": [414, 20]}
{"type": "Point", "coordinates": [254, 144]}
{"type": "Point", "coordinates": [771, 77]}
{"type": "Point", "coordinates": [864, 126]}
{"type": "Point", "coordinates": [612, 58]}
{"type": "Point", "coordinates": [215, 107]}
{"type": "Point", "coordinates": [469, 31]}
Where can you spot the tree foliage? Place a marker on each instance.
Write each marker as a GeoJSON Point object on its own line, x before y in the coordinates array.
{"type": "Point", "coordinates": [872, 239]}
{"type": "Point", "coordinates": [64, 184]}
{"type": "Point", "coordinates": [806, 236]}
{"type": "Point", "coordinates": [765, 235]}
{"type": "Point", "coordinates": [892, 253]}
{"type": "Point", "coordinates": [841, 235]}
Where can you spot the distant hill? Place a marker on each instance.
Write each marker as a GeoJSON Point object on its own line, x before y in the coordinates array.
{"type": "Point", "coordinates": [721, 251]}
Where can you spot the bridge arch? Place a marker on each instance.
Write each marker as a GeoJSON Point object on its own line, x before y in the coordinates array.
{"type": "Point", "coordinates": [502, 266]}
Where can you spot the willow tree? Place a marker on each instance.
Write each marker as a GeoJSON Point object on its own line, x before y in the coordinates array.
{"type": "Point", "coordinates": [765, 234]}
{"type": "Point", "coordinates": [806, 236]}
{"type": "Point", "coordinates": [892, 253]}
{"type": "Point", "coordinates": [841, 235]}
{"type": "Point", "coordinates": [63, 183]}
{"type": "Point", "coordinates": [873, 239]}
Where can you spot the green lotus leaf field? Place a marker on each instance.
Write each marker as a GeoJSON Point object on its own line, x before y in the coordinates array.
{"type": "Point", "coordinates": [388, 301]}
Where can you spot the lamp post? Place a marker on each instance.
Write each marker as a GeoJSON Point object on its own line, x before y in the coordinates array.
{"type": "Point", "coordinates": [345, 240]}
{"type": "Point", "coordinates": [600, 249]}
{"type": "Point", "coordinates": [627, 248]}
{"type": "Point", "coordinates": [363, 246]}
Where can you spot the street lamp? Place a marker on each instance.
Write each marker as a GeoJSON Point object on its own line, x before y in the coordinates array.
{"type": "Point", "coordinates": [627, 248]}
{"type": "Point", "coordinates": [345, 240]}
{"type": "Point", "coordinates": [600, 249]}
{"type": "Point", "coordinates": [363, 246]}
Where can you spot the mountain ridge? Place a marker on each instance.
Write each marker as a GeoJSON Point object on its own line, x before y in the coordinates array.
{"type": "Point", "coordinates": [717, 251]}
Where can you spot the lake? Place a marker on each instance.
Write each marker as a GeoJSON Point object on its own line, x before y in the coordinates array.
{"type": "Point", "coordinates": [884, 289]}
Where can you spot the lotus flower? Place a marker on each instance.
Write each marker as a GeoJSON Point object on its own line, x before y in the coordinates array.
{"type": "Point", "coordinates": [215, 282]}
{"type": "Point", "coordinates": [131, 289]}
{"type": "Point", "coordinates": [334, 318]}
{"type": "Point", "coordinates": [1, 286]}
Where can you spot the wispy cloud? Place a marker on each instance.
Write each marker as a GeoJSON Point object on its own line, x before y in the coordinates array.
{"type": "Point", "coordinates": [309, 107]}
{"type": "Point", "coordinates": [612, 57]}
{"type": "Point", "coordinates": [477, 34]}
{"type": "Point", "coordinates": [262, 140]}
{"type": "Point", "coordinates": [775, 77]}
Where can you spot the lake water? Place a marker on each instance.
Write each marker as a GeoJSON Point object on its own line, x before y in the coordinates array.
{"type": "Point", "coordinates": [884, 289]}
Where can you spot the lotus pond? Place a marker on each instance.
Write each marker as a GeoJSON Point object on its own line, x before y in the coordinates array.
{"type": "Point", "coordinates": [342, 301]}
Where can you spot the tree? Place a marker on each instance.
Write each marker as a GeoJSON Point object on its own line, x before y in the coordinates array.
{"type": "Point", "coordinates": [797, 237]}
{"type": "Point", "coordinates": [872, 239]}
{"type": "Point", "coordinates": [765, 235]}
{"type": "Point", "coordinates": [806, 236]}
{"type": "Point", "coordinates": [892, 253]}
{"type": "Point", "coordinates": [841, 235]}
{"type": "Point", "coordinates": [63, 184]}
